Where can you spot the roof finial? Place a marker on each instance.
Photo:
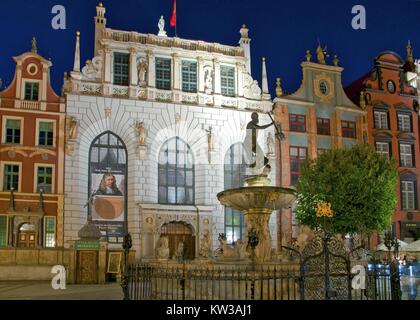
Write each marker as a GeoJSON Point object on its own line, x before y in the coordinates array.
{"type": "Point", "coordinates": [34, 45]}
{"type": "Point", "coordinates": [308, 55]}
{"type": "Point", "coordinates": [279, 90]}
{"type": "Point", "coordinates": [76, 66]}
{"type": "Point", "coordinates": [336, 60]}
{"type": "Point", "coordinates": [265, 92]}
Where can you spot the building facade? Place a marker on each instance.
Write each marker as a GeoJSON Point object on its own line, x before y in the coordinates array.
{"type": "Point", "coordinates": [156, 126]}
{"type": "Point", "coordinates": [390, 100]}
{"type": "Point", "coordinates": [31, 158]}
{"type": "Point", "coordinates": [317, 117]}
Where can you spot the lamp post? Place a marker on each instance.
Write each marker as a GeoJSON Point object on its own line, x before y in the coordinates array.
{"type": "Point", "coordinates": [390, 242]}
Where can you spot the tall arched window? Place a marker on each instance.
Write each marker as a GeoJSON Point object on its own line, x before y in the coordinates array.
{"type": "Point", "coordinates": [108, 185]}
{"type": "Point", "coordinates": [176, 173]}
{"type": "Point", "coordinates": [234, 170]}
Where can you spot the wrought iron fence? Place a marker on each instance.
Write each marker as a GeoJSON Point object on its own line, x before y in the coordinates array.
{"type": "Point", "coordinates": [191, 282]}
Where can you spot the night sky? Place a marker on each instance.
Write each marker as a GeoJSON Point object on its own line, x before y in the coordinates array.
{"type": "Point", "coordinates": [280, 30]}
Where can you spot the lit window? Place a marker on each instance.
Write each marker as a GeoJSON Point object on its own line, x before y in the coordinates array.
{"type": "Point", "coordinates": [382, 148]}
{"type": "Point", "coordinates": [235, 167]}
{"type": "Point", "coordinates": [404, 122]}
{"type": "Point", "coordinates": [297, 157]}
{"type": "Point", "coordinates": [227, 77]}
{"type": "Point", "coordinates": [121, 68]}
{"type": "Point", "coordinates": [323, 126]}
{"type": "Point", "coordinates": [31, 91]}
{"type": "Point", "coordinates": [44, 179]}
{"type": "Point", "coordinates": [406, 155]}
{"type": "Point", "coordinates": [381, 120]}
{"type": "Point", "coordinates": [297, 122]}
{"type": "Point", "coordinates": [46, 134]}
{"type": "Point", "coordinates": [49, 240]}
{"type": "Point", "coordinates": [11, 177]}
{"type": "Point", "coordinates": [176, 173]}
{"type": "Point", "coordinates": [408, 195]}
{"type": "Point", "coordinates": [13, 131]}
{"type": "Point", "coordinates": [163, 73]}
{"type": "Point", "coordinates": [189, 76]}
{"type": "Point", "coordinates": [348, 129]}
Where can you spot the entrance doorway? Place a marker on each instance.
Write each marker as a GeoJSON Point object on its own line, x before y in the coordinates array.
{"type": "Point", "coordinates": [87, 267]}
{"type": "Point", "coordinates": [26, 236]}
{"type": "Point", "coordinates": [178, 232]}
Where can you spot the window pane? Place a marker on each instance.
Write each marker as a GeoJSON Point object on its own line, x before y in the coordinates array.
{"type": "Point", "coordinates": [3, 231]}
{"type": "Point", "coordinates": [189, 76]}
{"type": "Point", "coordinates": [227, 79]}
{"type": "Point", "coordinates": [12, 131]}
{"type": "Point", "coordinates": [163, 73]}
{"type": "Point", "coordinates": [121, 68]}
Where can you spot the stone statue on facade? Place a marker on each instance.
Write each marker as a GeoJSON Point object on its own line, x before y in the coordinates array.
{"type": "Point", "coordinates": [270, 144]}
{"type": "Point", "coordinates": [180, 252]}
{"type": "Point", "coordinates": [205, 245]}
{"type": "Point", "coordinates": [73, 126]}
{"type": "Point", "coordinates": [162, 250]}
{"type": "Point", "coordinates": [210, 139]}
{"type": "Point", "coordinates": [208, 80]}
{"type": "Point", "coordinates": [142, 69]}
{"type": "Point", "coordinates": [141, 133]}
{"type": "Point", "coordinates": [255, 156]}
{"type": "Point", "coordinates": [161, 26]}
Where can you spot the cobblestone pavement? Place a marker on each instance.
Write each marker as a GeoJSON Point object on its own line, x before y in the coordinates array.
{"type": "Point", "coordinates": [31, 290]}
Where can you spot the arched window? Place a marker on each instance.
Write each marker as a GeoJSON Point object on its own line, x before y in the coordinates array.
{"type": "Point", "coordinates": [108, 185]}
{"type": "Point", "coordinates": [234, 170]}
{"type": "Point", "coordinates": [176, 173]}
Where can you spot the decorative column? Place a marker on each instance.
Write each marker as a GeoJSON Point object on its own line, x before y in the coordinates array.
{"type": "Point", "coordinates": [152, 70]}
{"type": "Point", "coordinates": [200, 74]}
{"type": "Point", "coordinates": [217, 83]}
{"type": "Point", "coordinates": [133, 73]}
{"type": "Point", "coordinates": [176, 74]}
{"type": "Point", "coordinates": [107, 64]}
{"type": "Point", "coordinates": [240, 84]}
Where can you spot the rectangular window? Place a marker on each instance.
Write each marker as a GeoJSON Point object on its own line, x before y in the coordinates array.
{"type": "Point", "coordinates": [297, 122]}
{"type": "Point", "coordinates": [348, 129]}
{"type": "Point", "coordinates": [227, 78]}
{"type": "Point", "coordinates": [406, 155]}
{"type": "Point", "coordinates": [121, 68]}
{"type": "Point", "coordinates": [163, 73]}
{"type": "Point", "coordinates": [31, 91]}
{"type": "Point", "coordinates": [408, 195]}
{"type": "Point", "coordinates": [189, 76]}
{"type": "Point", "coordinates": [11, 177]}
{"type": "Point", "coordinates": [49, 235]}
{"type": "Point", "coordinates": [382, 148]}
{"type": "Point", "coordinates": [12, 131]}
{"type": "Point", "coordinates": [46, 134]}
{"type": "Point", "coordinates": [404, 122]}
{"type": "Point", "coordinates": [3, 231]}
{"type": "Point", "coordinates": [234, 222]}
{"type": "Point", "coordinates": [381, 119]}
{"type": "Point", "coordinates": [44, 179]}
{"type": "Point", "coordinates": [323, 126]}
{"type": "Point", "coordinates": [297, 156]}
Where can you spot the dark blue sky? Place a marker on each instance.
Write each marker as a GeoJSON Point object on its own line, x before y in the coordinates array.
{"type": "Point", "coordinates": [281, 30]}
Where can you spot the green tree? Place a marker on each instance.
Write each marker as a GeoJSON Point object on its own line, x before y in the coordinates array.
{"type": "Point", "coordinates": [359, 184]}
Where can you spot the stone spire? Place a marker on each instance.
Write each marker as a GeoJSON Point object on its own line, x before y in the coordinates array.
{"type": "Point", "coordinates": [100, 25]}
{"type": "Point", "coordinates": [244, 42]}
{"type": "Point", "coordinates": [76, 66]}
{"type": "Point", "coordinates": [410, 58]}
{"type": "Point", "coordinates": [264, 84]}
{"type": "Point", "coordinates": [34, 45]}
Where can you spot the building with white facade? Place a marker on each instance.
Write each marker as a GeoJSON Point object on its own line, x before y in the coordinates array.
{"type": "Point", "coordinates": [155, 131]}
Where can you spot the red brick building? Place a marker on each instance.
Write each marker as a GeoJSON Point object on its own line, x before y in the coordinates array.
{"type": "Point", "coordinates": [393, 128]}
{"type": "Point", "coordinates": [32, 122]}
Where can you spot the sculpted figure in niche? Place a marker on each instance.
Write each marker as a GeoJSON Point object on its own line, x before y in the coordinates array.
{"type": "Point", "coordinates": [162, 251]}
{"type": "Point", "coordinates": [205, 245]}
{"type": "Point", "coordinates": [208, 80]}
{"type": "Point", "coordinates": [73, 124]}
{"type": "Point", "coordinates": [142, 69]}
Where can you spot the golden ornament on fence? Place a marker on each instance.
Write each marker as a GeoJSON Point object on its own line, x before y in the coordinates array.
{"type": "Point", "coordinates": [323, 209]}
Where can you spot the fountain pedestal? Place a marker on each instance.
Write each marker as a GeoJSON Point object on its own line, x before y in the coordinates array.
{"type": "Point", "coordinates": [257, 199]}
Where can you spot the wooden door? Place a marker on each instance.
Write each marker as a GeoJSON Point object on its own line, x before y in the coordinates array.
{"type": "Point", "coordinates": [87, 267]}
{"type": "Point", "coordinates": [178, 232]}
{"type": "Point", "coordinates": [26, 239]}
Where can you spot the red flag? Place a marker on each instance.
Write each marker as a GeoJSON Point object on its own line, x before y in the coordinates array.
{"type": "Point", "coordinates": [173, 16]}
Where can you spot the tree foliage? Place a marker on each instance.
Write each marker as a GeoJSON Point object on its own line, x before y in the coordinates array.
{"type": "Point", "coordinates": [359, 184]}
